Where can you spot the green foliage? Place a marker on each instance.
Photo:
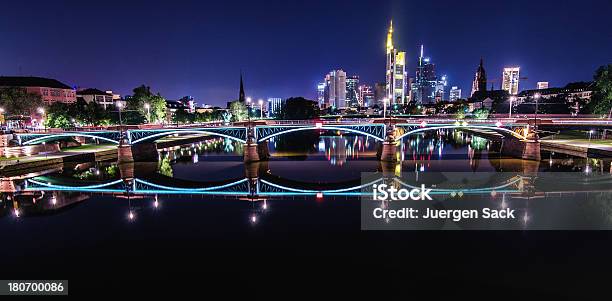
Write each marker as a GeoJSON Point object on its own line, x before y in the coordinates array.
{"type": "Point", "coordinates": [481, 113]}
{"type": "Point", "coordinates": [238, 110]}
{"type": "Point", "coordinates": [182, 116]}
{"type": "Point", "coordinates": [16, 101]}
{"type": "Point", "coordinates": [57, 120]}
{"type": "Point", "coordinates": [298, 108]}
{"type": "Point", "coordinates": [165, 168]}
{"type": "Point", "coordinates": [137, 105]}
{"type": "Point", "coordinates": [601, 102]}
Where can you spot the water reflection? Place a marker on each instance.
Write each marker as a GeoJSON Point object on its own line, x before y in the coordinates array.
{"type": "Point", "coordinates": [319, 166]}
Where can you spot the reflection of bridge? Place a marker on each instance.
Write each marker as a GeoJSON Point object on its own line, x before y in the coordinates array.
{"type": "Point", "coordinates": [388, 132]}
{"type": "Point", "coordinates": [266, 186]}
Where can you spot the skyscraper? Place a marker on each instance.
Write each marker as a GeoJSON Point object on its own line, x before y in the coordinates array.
{"type": "Point", "coordinates": [510, 80]}
{"type": "Point", "coordinates": [480, 79]}
{"type": "Point", "coordinates": [380, 93]}
{"type": "Point", "coordinates": [366, 96]}
{"type": "Point", "coordinates": [352, 92]}
{"type": "Point", "coordinates": [321, 94]}
{"type": "Point", "coordinates": [396, 71]}
{"type": "Point", "coordinates": [274, 106]}
{"type": "Point", "coordinates": [454, 94]}
{"type": "Point", "coordinates": [426, 87]}
{"type": "Point", "coordinates": [335, 89]}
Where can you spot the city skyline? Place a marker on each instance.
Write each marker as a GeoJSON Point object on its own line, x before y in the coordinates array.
{"type": "Point", "coordinates": [184, 57]}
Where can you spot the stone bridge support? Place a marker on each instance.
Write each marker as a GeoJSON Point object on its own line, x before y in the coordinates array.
{"type": "Point", "coordinates": [388, 152]}
{"type": "Point", "coordinates": [140, 152]}
{"type": "Point", "coordinates": [522, 149]}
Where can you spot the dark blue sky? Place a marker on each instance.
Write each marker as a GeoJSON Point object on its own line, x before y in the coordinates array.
{"type": "Point", "coordinates": [285, 47]}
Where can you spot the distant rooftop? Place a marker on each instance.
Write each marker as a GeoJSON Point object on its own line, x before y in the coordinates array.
{"type": "Point", "coordinates": [92, 91]}
{"type": "Point", "coordinates": [30, 81]}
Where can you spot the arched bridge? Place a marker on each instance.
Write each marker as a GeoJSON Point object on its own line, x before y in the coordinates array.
{"type": "Point", "coordinates": [377, 131]}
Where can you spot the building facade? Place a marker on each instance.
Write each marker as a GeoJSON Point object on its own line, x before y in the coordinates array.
{"type": "Point", "coordinates": [103, 98]}
{"type": "Point", "coordinates": [366, 96]}
{"type": "Point", "coordinates": [274, 106]}
{"type": "Point", "coordinates": [542, 85]}
{"type": "Point", "coordinates": [335, 89]}
{"type": "Point", "coordinates": [50, 90]}
{"type": "Point", "coordinates": [454, 94]}
{"type": "Point", "coordinates": [427, 88]}
{"type": "Point", "coordinates": [352, 91]}
{"type": "Point", "coordinates": [396, 76]}
{"type": "Point", "coordinates": [510, 80]}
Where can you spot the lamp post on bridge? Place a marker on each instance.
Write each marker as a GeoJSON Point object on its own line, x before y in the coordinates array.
{"type": "Point", "coordinates": [536, 97]}
{"type": "Point", "coordinates": [512, 98]}
{"type": "Point", "coordinates": [261, 109]}
{"type": "Point", "coordinates": [119, 106]}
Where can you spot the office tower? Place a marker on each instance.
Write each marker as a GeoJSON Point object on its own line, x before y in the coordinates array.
{"type": "Point", "coordinates": [510, 80]}
{"type": "Point", "coordinates": [352, 92]}
{"type": "Point", "coordinates": [396, 71]}
{"type": "Point", "coordinates": [542, 85]}
{"type": "Point", "coordinates": [380, 93]}
{"type": "Point", "coordinates": [335, 89]}
{"type": "Point", "coordinates": [366, 96]}
{"type": "Point", "coordinates": [480, 79]}
{"type": "Point", "coordinates": [321, 94]}
{"type": "Point", "coordinates": [274, 106]}
{"type": "Point", "coordinates": [426, 87]}
{"type": "Point", "coordinates": [454, 94]}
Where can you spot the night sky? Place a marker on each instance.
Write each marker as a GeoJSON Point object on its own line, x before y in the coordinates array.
{"type": "Point", "coordinates": [284, 48]}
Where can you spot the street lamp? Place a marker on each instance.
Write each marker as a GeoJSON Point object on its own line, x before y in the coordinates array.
{"type": "Point", "coordinates": [2, 113]}
{"type": "Point", "coordinates": [536, 97]}
{"type": "Point", "coordinates": [41, 110]}
{"type": "Point", "coordinates": [148, 107]}
{"type": "Point", "coordinates": [119, 106]}
{"type": "Point", "coordinates": [261, 109]}
{"type": "Point", "coordinates": [385, 100]}
{"type": "Point", "coordinates": [512, 98]}
{"type": "Point", "coordinates": [248, 100]}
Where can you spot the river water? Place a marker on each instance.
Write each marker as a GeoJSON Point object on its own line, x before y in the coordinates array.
{"type": "Point", "coordinates": [113, 239]}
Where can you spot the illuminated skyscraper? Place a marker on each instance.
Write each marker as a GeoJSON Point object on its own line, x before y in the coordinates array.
{"type": "Point", "coordinates": [480, 79]}
{"type": "Point", "coordinates": [335, 89]}
{"type": "Point", "coordinates": [396, 71]}
{"type": "Point", "coordinates": [366, 96]}
{"type": "Point", "coordinates": [455, 93]}
{"type": "Point", "coordinates": [426, 87]}
{"type": "Point", "coordinates": [321, 94]}
{"type": "Point", "coordinates": [352, 92]}
{"type": "Point", "coordinates": [510, 80]}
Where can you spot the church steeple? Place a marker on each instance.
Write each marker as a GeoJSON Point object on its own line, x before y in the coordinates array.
{"type": "Point", "coordinates": [241, 97]}
{"type": "Point", "coordinates": [390, 38]}
{"type": "Point", "coordinates": [480, 79]}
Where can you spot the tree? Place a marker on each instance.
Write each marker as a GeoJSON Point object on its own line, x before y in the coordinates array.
{"type": "Point", "coordinates": [181, 116]}
{"type": "Point", "coordinates": [601, 101]}
{"type": "Point", "coordinates": [481, 113]}
{"type": "Point", "coordinates": [238, 110]}
{"type": "Point", "coordinates": [16, 101]}
{"type": "Point", "coordinates": [299, 108]}
{"type": "Point", "coordinates": [143, 95]}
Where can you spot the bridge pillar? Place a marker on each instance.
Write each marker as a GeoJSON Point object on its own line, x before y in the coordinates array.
{"type": "Point", "coordinates": [250, 147]}
{"type": "Point", "coordinates": [141, 152]}
{"type": "Point", "coordinates": [522, 149]}
{"type": "Point", "coordinates": [389, 147]}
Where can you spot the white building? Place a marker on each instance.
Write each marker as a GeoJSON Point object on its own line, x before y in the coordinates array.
{"type": "Point", "coordinates": [542, 85]}
{"type": "Point", "coordinates": [105, 99]}
{"type": "Point", "coordinates": [454, 94]}
{"type": "Point", "coordinates": [510, 80]}
{"type": "Point", "coordinates": [335, 89]}
{"type": "Point", "coordinates": [274, 106]}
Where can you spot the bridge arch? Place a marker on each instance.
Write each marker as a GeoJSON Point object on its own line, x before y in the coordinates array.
{"type": "Point", "coordinates": [40, 138]}
{"type": "Point", "coordinates": [267, 136]}
{"type": "Point", "coordinates": [498, 129]}
{"type": "Point", "coordinates": [142, 136]}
